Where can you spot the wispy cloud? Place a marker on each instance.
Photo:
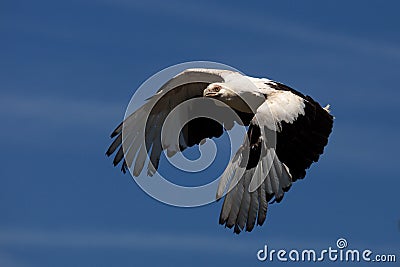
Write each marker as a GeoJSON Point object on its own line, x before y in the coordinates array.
{"type": "Point", "coordinates": [221, 15]}
{"type": "Point", "coordinates": [59, 110]}
{"type": "Point", "coordinates": [121, 240]}
{"type": "Point", "coordinates": [8, 260]}
{"type": "Point", "coordinates": [212, 14]}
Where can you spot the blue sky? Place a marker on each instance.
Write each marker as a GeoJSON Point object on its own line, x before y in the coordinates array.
{"type": "Point", "coordinates": [68, 70]}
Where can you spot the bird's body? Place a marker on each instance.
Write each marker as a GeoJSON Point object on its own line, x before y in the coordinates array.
{"type": "Point", "coordinates": [287, 132]}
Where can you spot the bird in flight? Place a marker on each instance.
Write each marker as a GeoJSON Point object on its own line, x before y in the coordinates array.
{"type": "Point", "coordinates": [286, 132]}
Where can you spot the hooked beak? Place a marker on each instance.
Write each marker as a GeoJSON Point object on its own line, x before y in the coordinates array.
{"type": "Point", "coordinates": [210, 94]}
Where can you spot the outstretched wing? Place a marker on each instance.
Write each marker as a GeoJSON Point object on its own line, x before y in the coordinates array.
{"type": "Point", "coordinates": [141, 135]}
{"type": "Point", "coordinates": [288, 133]}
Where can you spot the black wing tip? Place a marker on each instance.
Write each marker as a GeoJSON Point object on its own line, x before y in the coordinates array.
{"type": "Point", "coordinates": [287, 188]}
{"type": "Point", "coordinates": [229, 225]}
{"type": "Point", "coordinates": [279, 198]}
{"type": "Point", "coordinates": [249, 229]}
{"type": "Point", "coordinates": [124, 167]}
{"type": "Point", "coordinates": [117, 130]}
{"type": "Point", "coordinates": [237, 229]}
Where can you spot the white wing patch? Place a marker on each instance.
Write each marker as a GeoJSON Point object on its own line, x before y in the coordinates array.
{"type": "Point", "coordinates": [280, 106]}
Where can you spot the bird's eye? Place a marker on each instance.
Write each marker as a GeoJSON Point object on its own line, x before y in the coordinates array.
{"type": "Point", "coordinates": [217, 88]}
